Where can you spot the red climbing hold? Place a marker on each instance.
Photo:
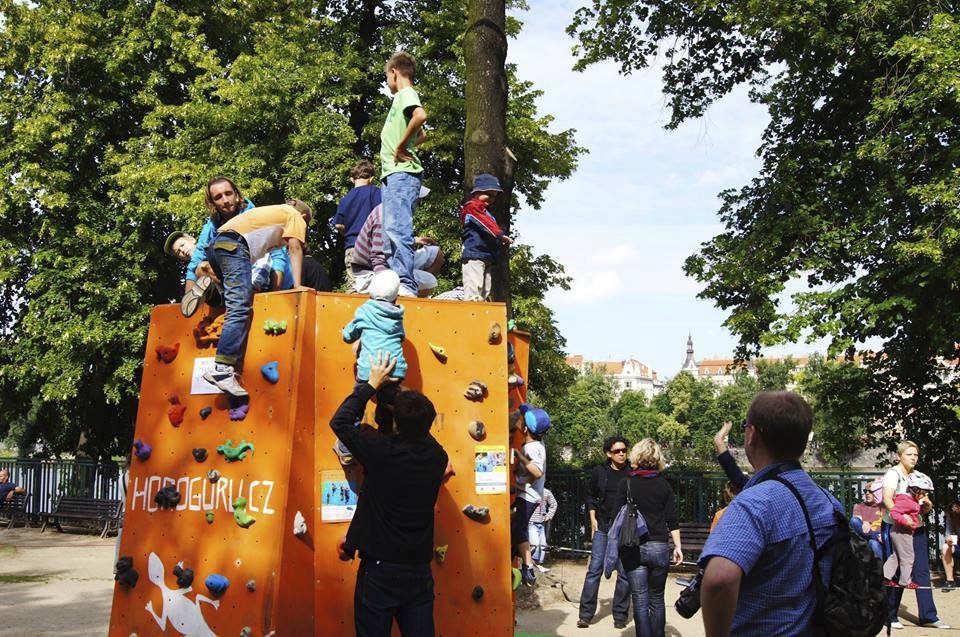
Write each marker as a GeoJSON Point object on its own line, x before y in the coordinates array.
{"type": "Point", "coordinates": [167, 353]}
{"type": "Point", "coordinates": [175, 414]}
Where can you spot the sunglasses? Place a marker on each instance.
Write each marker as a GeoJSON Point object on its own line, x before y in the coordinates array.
{"type": "Point", "coordinates": [619, 450]}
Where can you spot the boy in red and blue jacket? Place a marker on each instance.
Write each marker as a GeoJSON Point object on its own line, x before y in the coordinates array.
{"type": "Point", "coordinates": [481, 239]}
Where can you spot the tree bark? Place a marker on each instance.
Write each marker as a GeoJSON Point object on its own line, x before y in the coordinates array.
{"type": "Point", "coordinates": [485, 138]}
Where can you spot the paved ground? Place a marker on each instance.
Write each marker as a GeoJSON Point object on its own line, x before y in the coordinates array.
{"type": "Point", "coordinates": [62, 584]}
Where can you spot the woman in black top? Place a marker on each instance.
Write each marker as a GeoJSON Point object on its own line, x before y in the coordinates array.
{"type": "Point", "coordinates": [647, 565]}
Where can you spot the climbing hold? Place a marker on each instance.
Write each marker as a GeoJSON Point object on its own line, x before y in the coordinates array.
{"type": "Point", "coordinates": [299, 525]}
{"type": "Point", "coordinates": [206, 411]}
{"type": "Point", "coordinates": [246, 631]}
{"type": "Point", "coordinates": [207, 331]}
{"type": "Point", "coordinates": [213, 475]}
{"type": "Point", "coordinates": [176, 411]}
{"type": "Point", "coordinates": [511, 354]}
{"type": "Point", "coordinates": [477, 431]}
{"type": "Point", "coordinates": [167, 353]}
{"type": "Point", "coordinates": [239, 413]}
{"type": "Point", "coordinates": [143, 450]}
{"type": "Point", "coordinates": [441, 553]}
{"type": "Point", "coordinates": [240, 515]}
{"type": "Point", "coordinates": [343, 552]}
{"type": "Point", "coordinates": [184, 575]}
{"type": "Point", "coordinates": [167, 497]}
{"type": "Point", "coordinates": [439, 352]}
{"type": "Point", "coordinates": [271, 372]}
{"type": "Point", "coordinates": [233, 454]}
{"type": "Point", "coordinates": [274, 328]}
{"type": "Point", "coordinates": [124, 573]}
{"type": "Point", "coordinates": [251, 585]}
{"type": "Point", "coordinates": [209, 516]}
{"type": "Point", "coordinates": [477, 593]}
{"type": "Point", "coordinates": [199, 454]}
{"type": "Point", "coordinates": [476, 391]}
{"type": "Point", "coordinates": [477, 514]}
{"type": "Point", "coordinates": [495, 334]}
{"type": "Point", "coordinates": [516, 578]}
{"type": "Point", "coordinates": [216, 584]}
{"type": "Point", "coordinates": [511, 325]}
{"type": "Point", "coordinates": [515, 380]}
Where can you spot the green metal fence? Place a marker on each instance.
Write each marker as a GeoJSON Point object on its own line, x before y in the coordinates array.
{"type": "Point", "coordinates": [44, 480]}
{"type": "Point", "coordinates": [699, 495]}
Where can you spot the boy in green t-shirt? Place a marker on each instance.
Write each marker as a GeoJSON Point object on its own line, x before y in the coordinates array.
{"type": "Point", "coordinates": [402, 173]}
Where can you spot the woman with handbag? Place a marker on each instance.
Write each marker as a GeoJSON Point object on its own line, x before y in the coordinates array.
{"type": "Point", "coordinates": [647, 559]}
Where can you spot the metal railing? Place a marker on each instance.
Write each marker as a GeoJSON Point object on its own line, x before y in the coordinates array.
{"type": "Point", "coordinates": [699, 495]}
{"type": "Point", "coordinates": [45, 480]}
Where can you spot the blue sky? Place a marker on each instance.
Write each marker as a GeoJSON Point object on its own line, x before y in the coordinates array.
{"type": "Point", "coordinates": [642, 200]}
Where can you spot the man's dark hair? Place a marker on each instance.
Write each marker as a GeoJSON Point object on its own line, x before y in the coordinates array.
{"type": "Point", "coordinates": [783, 421]}
{"type": "Point", "coordinates": [404, 63]}
{"type": "Point", "coordinates": [363, 169]}
{"type": "Point", "coordinates": [414, 413]}
{"type": "Point", "coordinates": [208, 199]}
{"type": "Point", "coordinates": [612, 440]}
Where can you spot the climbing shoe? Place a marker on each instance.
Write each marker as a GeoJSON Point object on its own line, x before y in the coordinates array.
{"type": "Point", "coordinates": [225, 379]}
{"type": "Point", "coordinates": [191, 299]}
{"type": "Point", "coordinates": [346, 458]}
{"type": "Point", "coordinates": [528, 575]}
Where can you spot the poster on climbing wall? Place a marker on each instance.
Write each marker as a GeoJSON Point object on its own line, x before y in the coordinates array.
{"type": "Point", "coordinates": [197, 384]}
{"type": "Point", "coordinates": [490, 468]}
{"type": "Point", "coordinates": [338, 500]}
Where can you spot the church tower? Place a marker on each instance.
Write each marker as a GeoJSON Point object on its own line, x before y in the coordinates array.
{"type": "Point", "coordinates": [689, 365]}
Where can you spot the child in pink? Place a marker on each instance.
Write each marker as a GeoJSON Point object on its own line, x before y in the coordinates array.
{"type": "Point", "coordinates": [906, 515]}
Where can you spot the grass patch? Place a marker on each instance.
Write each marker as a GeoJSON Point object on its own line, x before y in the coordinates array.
{"type": "Point", "coordinates": [21, 579]}
{"type": "Point", "coordinates": [7, 549]}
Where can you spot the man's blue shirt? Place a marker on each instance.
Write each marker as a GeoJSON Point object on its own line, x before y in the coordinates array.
{"type": "Point", "coordinates": [353, 210]}
{"type": "Point", "coordinates": [764, 532]}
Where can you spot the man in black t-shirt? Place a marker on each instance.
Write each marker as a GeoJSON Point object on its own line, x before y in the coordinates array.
{"type": "Point", "coordinates": [604, 482]}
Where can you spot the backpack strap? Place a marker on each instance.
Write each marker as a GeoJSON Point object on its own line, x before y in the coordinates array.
{"type": "Point", "coordinates": [817, 579]}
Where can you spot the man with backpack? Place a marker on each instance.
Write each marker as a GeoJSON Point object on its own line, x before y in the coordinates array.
{"type": "Point", "coordinates": [782, 561]}
{"type": "Point", "coordinates": [604, 483]}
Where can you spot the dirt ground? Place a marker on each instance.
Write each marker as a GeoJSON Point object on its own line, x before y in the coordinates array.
{"type": "Point", "coordinates": [62, 584]}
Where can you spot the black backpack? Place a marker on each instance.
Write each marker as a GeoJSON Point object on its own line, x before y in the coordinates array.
{"type": "Point", "coordinates": [854, 603]}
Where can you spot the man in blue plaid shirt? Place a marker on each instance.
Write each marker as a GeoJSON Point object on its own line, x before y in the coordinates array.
{"type": "Point", "coordinates": [759, 562]}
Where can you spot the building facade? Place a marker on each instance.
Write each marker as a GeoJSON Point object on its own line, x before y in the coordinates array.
{"type": "Point", "coordinates": [627, 375]}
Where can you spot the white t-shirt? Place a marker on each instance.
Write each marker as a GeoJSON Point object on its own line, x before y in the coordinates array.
{"type": "Point", "coordinates": [895, 479]}
{"type": "Point", "coordinates": [533, 487]}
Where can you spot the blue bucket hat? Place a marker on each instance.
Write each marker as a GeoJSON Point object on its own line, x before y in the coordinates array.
{"type": "Point", "coordinates": [536, 419]}
{"type": "Point", "coordinates": [485, 183]}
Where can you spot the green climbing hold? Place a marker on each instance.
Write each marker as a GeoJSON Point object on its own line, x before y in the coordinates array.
{"type": "Point", "coordinates": [511, 325]}
{"type": "Point", "coordinates": [231, 453]}
{"type": "Point", "coordinates": [515, 572]}
{"type": "Point", "coordinates": [274, 328]}
{"type": "Point", "coordinates": [209, 515]}
{"type": "Point", "coordinates": [240, 513]}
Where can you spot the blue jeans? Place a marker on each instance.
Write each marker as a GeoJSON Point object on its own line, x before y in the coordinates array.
{"type": "Point", "coordinates": [400, 194]}
{"type": "Point", "coordinates": [926, 608]}
{"type": "Point", "coordinates": [230, 258]}
{"type": "Point", "coordinates": [385, 592]}
{"type": "Point", "coordinates": [591, 584]}
{"type": "Point", "coordinates": [538, 541]}
{"type": "Point", "coordinates": [647, 581]}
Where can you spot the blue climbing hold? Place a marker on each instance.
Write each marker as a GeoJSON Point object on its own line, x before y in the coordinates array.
{"type": "Point", "coordinates": [217, 584]}
{"type": "Point", "coordinates": [271, 372]}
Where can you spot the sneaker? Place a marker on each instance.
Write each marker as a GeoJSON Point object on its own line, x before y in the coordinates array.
{"type": "Point", "coordinates": [346, 458]}
{"type": "Point", "coordinates": [191, 299]}
{"type": "Point", "coordinates": [528, 575]}
{"type": "Point", "coordinates": [582, 623]}
{"type": "Point", "coordinates": [896, 624]}
{"type": "Point", "coordinates": [911, 585]}
{"type": "Point", "coordinates": [619, 624]}
{"type": "Point", "coordinates": [542, 568]}
{"type": "Point", "coordinates": [947, 585]}
{"type": "Point", "coordinates": [405, 291]}
{"type": "Point", "coordinates": [225, 379]}
{"type": "Point", "coordinates": [937, 624]}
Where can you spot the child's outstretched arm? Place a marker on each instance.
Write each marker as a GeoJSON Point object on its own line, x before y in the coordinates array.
{"type": "Point", "coordinates": [352, 331]}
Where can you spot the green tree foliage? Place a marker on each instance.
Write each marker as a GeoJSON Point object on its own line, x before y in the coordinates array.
{"type": "Point", "coordinates": [114, 114]}
{"type": "Point", "coordinates": [581, 421]}
{"type": "Point", "coordinates": [775, 375]}
{"type": "Point", "coordinates": [857, 196]}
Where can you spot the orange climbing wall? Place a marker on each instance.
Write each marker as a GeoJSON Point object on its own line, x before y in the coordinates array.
{"type": "Point", "coordinates": [289, 425]}
{"type": "Point", "coordinates": [479, 554]}
{"type": "Point", "coordinates": [275, 481]}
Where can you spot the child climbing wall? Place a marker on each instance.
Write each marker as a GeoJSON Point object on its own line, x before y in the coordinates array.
{"type": "Point", "coordinates": [248, 558]}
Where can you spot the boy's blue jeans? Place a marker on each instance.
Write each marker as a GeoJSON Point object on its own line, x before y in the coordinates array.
{"type": "Point", "coordinates": [400, 194]}
{"type": "Point", "coordinates": [230, 258]}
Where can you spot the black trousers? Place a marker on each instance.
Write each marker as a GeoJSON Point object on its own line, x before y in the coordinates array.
{"type": "Point", "coordinates": [387, 591]}
{"type": "Point", "coordinates": [315, 275]}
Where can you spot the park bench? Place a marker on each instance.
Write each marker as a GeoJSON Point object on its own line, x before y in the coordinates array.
{"type": "Point", "coordinates": [693, 536]}
{"type": "Point", "coordinates": [15, 507]}
{"type": "Point", "coordinates": [100, 511]}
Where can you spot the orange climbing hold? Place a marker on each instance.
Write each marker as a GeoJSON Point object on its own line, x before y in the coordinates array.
{"type": "Point", "coordinates": [167, 353]}
{"type": "Point", "coordinates": [207, 331]}
{"type": "Point", "coordinates": [176, 411]}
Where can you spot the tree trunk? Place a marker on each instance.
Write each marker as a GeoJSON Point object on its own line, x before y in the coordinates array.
{"type": "Point", "coordinates": [485, 138]}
